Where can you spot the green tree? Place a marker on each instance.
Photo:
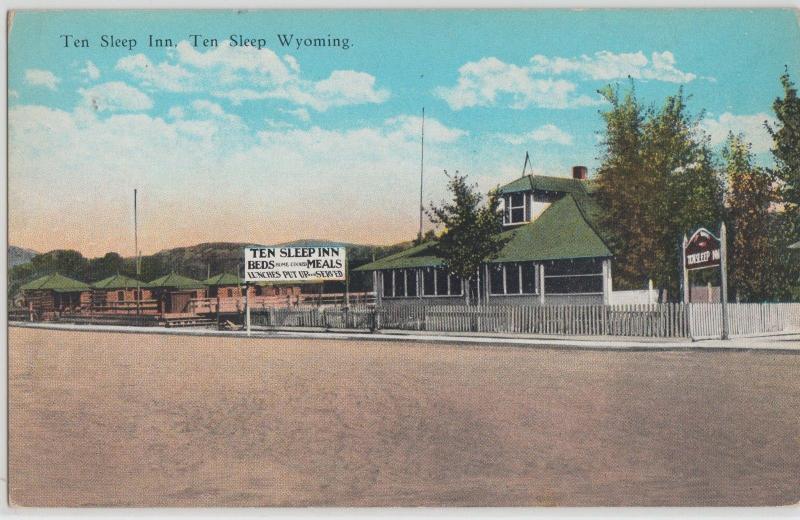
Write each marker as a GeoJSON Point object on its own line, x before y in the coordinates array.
{"type": "Point", "coordinates": [785, 134]}
{"type": "Point", "coordinates": [622, 190]}
{"type": "Point", "coordinates": [749, 198]}
{"type": "Point", "coordinates": [657, 181]}
{"type": "Point", "coordinates": [786, 143]}
{"type": "Point", "coordinates": [105, 266]}
{"type": "Point", "coordinates": [471, 229]}
{"type": "Point", "coordinates": [64, 261]}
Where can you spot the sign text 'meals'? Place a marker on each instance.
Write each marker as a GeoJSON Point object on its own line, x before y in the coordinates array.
{"type": "Point", "coordinates": [294, 264]}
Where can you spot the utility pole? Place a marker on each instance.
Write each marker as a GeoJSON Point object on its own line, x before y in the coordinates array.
{"type": "Point", "coordinates": [421, 170]}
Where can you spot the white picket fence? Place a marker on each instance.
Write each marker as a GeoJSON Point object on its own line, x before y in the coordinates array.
{"type": "Point", "coordinates": [744, 318]}
{"type": "Point", "coordinates": [666, 320]}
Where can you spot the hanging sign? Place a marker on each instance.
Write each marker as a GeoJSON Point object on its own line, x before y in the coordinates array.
{"type": "Point", "coordinates": [703, 250]}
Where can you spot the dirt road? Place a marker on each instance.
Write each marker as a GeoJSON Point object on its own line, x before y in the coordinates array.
{"type": "Point", "coordinates": [134, 419]}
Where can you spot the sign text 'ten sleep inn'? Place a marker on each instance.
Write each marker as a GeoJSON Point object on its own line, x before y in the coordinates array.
{"type": "Point", "coordinates": [702, 250]}
{"type": "Point", "coordinates": [294, 264]}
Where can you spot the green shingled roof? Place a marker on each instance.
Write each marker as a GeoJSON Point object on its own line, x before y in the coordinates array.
{"type": "Point", "coordinates": [176, 281]}
{"type": "Point", "coordinates": [796, 245]}
{"type": "Point", "coordinates": [223, 279]}
{"type": "Point", "coordinates": [118, 281]}
{"type": "Point", "coordinates": [55, 282]}
{"type": "Point", "coordinates": [545, 183]}
{"type": "Point", "coordinates": [562, 231]}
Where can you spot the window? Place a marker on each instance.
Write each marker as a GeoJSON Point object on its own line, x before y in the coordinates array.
{"type": "Point", "coordinates": [121, 296]}
{"type": "Point", "coordinates": [441, 283]}
{"type": "Point", "coordinates": [516, 208]}
{"type": "Point", "coordinates": [436, 282]}
{"type": "Point", "coordinates": [429, 281]}
{"type": "Point", "coordinates": [399, 283]}
{"type": "Point", "coordinates": [455, 285]}
{"type": "Point", "coordinates": [229, 292]}
{"type": "Point", "coordinates": [411, 282]}
{"type": "Point", "coordinates": [512, 278]}
{"type": "Point", "coordinates": [583, 275]}
{"type": "Point", "coordinates": [386, 276]}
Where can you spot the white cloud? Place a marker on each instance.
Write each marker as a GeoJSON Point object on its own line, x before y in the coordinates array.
{"type": "Point", "coordinates": [545, 133]}
{"type": "Point", "coordinates": [42, 78]}
{"type": "Point", "coordinates": [300, 113]}
{"type": "Point", "coordinates": [163, 76]}
{"type": "Point", "coordinates": [176, 113]}
{"type": "Point", "coordinates": [13, 94]}
{"type": "Point", "coordinates": [490, 81]}
{"type": "Point", "coordinates": [209, 167]}
{"type": "Point", "coordinates": [244, 74]}
{"type": "Point", "coordinates": [115, 96]}
{"type": "Point", "coordinates": [91, 71]}
{"type": "Point", "coordinates": [752, 126]}
{"type": "Point", "coordinates": [410, 127]}
{"type": "Point", "coordinates": [605, 66]}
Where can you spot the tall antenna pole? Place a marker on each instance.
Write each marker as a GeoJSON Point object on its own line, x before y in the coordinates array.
{"type": "Point", "coordinates": [527, 163]}
{"type": "Point", "coordinates": [421, 170]}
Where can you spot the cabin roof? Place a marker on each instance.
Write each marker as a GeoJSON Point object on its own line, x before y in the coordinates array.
{"type": "Point", "coordinates": [176, 281]}
{"type": "Point", "coordinates": [223, 279]}
{"type": "Point", "coordinates": [118, 281]}
{"type": "Point", "coordinates": [561, 232]}
{"type": "Point", "coordinates": [57, 283]}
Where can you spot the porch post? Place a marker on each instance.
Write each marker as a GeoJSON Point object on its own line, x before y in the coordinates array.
{"type": "Point", "coordinates": [541, 284]}
{"type": "Point", "coordinates": [488, 281]}
{"type": "Point", "coordinates": [606, 281]}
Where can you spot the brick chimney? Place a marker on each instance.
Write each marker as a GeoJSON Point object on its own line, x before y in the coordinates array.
{"type": "Point", "coordinates": [580, 172]}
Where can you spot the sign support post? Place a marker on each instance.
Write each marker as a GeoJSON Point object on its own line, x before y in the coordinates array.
{"type": "Point", "coordinates": [247, 306]}
{"type": "Point", "coordinates": [724, 279]}
{"type": "Point", "coordinates": [685, 272]}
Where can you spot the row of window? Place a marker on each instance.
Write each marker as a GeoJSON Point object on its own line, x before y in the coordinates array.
{"type": "Point", "coordinates": [400, 283]}
{"type": "Point", "coordinates": [562, 277]}
{"type": "Point", "coordinates": [514, 278]}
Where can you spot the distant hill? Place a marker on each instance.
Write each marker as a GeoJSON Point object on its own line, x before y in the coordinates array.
{"type": "Point", "coordinates": [199, 260]}
{"type": "Point", "coordinates": [19, 255]}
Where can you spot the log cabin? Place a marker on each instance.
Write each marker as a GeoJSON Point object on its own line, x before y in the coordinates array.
{"type": "Point", "coordinates": [54, 294]}
{"type": "Point", "coordinates": [122, 294]}
{"type": "Point", "coordinates": [175, 292]}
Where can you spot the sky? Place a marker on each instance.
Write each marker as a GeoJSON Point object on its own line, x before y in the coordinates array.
{"type": "Point", "coordinates": [239, 143]}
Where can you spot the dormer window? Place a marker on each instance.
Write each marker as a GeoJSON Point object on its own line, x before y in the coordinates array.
{"type": "Point", "coordinates": [517, 210]}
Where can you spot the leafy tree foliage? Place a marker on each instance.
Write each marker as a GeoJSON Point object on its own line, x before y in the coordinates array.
{"type": "Point", "coordinates": [749, 198]}
{"type": "Point", "coordinates": [786, 143]}
{"type": "Point", "coordinates": [657, 181]}
{"type": "Point", "coordinates": [471, 228]}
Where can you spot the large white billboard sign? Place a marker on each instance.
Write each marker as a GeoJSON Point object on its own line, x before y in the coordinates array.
{"type": "Point", "coordinates": [294, 264]}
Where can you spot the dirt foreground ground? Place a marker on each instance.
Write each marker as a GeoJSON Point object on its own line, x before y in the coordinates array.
{"type": "Point", "coordinates": [150, 420]}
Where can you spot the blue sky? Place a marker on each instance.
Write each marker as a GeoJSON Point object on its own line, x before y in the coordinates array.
{"type": "Point", "coordinates": [281, 143]}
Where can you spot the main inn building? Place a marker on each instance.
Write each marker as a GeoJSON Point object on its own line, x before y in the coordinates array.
{"type": "Point", "coordinates": [554, 254]}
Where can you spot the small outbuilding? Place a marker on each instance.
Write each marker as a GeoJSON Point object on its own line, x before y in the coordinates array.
{"type": "Point", "coordinates": [54, 293]}
{"type": "Point", "coordinates": [175, 292]}
{"type": "Point", "coordinates": [224, 285]}
{"type": "Point", "coordinates": [119, 293]}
